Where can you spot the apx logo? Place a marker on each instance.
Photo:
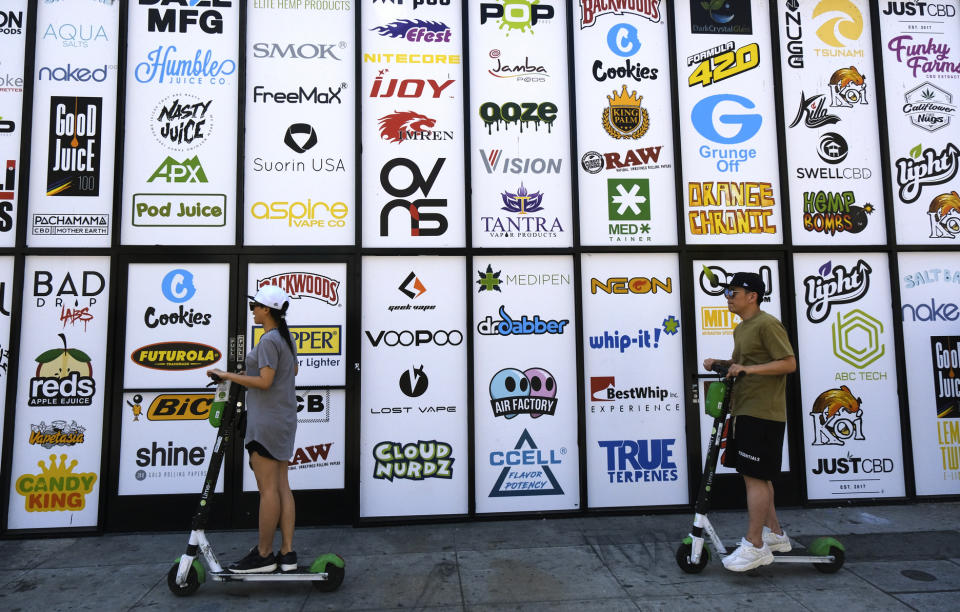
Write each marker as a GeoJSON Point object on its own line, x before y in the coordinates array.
{"type": "Point", "coordinates": [172, 171]}
{"type": "Point", "coordinates": [705, 123]}
{"type": "Point", "coordinates": [177, 286]}
{"type": "Point", "coordinates": [515, 15]}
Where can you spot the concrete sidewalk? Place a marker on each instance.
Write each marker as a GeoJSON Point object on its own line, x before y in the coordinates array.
{"type": "Point", "coordinates": [898, 558]}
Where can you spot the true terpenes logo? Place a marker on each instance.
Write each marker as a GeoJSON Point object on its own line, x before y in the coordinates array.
{"type": "Point", "coordinates": [413, 460]}
{"type": "Point", "coordinates": [182, 121]}
{"type": "Point", "coordinates": [837, 417]}
{"type": "Point", "coordinates": [513, 392]}
{"type": "Point", "coordinates": [402, 194]}
{"type": "Point", "coordinates": [625, 117]}
{"type": "Point", "coordinates": [73, 159]}
{"type": "Point", "coordinates": [835, 285]}
{"type": "Point", "coordinates": [64, 377]}
{"type": "Point", "coordinates": [926, 167]}
{"type": "Point", "coordinates": [637, 461]}
{"type": "Point", "coordinates": [946, 375]}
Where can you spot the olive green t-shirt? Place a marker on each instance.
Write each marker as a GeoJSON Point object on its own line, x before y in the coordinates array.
{"type": "Point", "coordinates": [760, 339]}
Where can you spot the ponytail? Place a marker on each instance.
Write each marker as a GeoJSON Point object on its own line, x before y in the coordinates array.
{"type": "Point", "coordinates": [280, 317]}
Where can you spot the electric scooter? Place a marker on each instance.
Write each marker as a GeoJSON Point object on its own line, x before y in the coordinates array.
{"type": "Point", "coordinates": [187, 574]}
{"type": "Point", "coordinates": [692, 556]}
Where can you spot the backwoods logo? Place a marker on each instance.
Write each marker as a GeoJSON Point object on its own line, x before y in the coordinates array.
{"type": "Point", "coordinates": [57, 488]}
{"type": "Point", "coordinates": [305, 285]}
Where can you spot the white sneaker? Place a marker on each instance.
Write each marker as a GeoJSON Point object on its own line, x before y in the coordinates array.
{"type": "Point", "coordinates": [747, 556]}
{"type": "Point", "coordinates": [777, 543]}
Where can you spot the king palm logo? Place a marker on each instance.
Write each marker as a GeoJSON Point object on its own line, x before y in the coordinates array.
{"type": "Point", "coordinates": [522, 202]}
{"type": "Point", "coordinates": [624, 117]}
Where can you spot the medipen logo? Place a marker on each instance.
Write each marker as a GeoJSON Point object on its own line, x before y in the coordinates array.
{"type": "Point", "coordinates": [305, 285]}
{"type": "Point", "coordinates": [57, 488]}
{"type": "Point", "coordinates": [175, 356]}
{"type": "Point", "coordinates": [180, 407]}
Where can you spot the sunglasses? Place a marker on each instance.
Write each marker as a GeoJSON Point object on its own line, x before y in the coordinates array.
{"type": "Point", "coordinates": [256, 304]}
{"type": "Point", "coordinates": [729, 293]}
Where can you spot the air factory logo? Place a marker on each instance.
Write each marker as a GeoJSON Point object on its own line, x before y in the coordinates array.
{"type": "Point", "coordinates": [64, 378]}
{"type": "Point", "coordinates": [837, 417]}
{"type": "Point", "coordinates": [625, 117]}
{"type": "Point", "coordinates": [57, 488]}
{"type": "Point", "coordinates": [514, 392]}
{"type": "Point", "coordinates": [413, 461]}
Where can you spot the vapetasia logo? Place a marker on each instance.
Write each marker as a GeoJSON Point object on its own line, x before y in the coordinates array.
{"type": "Point", "coordinates": [835, 285]}
{"type": "Point", "coordinates": [74, 153]}
{"type": "Point", "coordinates": [305, 285]}
{"type": "Point", "coordinates": [927, 168]}
{"type": "Point", "coordinates": [591, 9]}
{"type": "Point", "coordinates": [413, 461]}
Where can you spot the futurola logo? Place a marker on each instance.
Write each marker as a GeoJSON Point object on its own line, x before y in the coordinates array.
{"type": "Point", "coordinates": [57, 488]}
{"type": "Point", "coordinates": [175, 356]}
{"type": "Point", "coordinates": [64, 378]}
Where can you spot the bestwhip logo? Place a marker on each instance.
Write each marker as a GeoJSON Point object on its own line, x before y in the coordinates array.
{"type": "Point", "coordinates": [526, 469]}
{"type": "Point", "coordinates": [590, 10]}
{"type": "Point", "coordinates": [413, 460]}
{"type": "Point", "coordinates": [813, 112]}
{"type": "Point", "coordinates": [175, 356]}
{"type": "Point", "coordinates": [835, 284]}
{"type": "Point", "coordinates": [604, 389]}
{"type": "Point", "coordinates": [73, 157]}
{"type": "Point", "coordinates": [532, 391]}
{"type": "Point", "coordinates": [299, 285]}
{"type": "Point", "coordinates": [524, 326]}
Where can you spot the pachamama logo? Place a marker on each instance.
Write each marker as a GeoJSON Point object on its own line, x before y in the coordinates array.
{"type": "Point", "coordinates": [175, 356]}
{"type": "Point", "coordinates": [64, 378]}
{"type": "Point", "coordinates": [57, 488]}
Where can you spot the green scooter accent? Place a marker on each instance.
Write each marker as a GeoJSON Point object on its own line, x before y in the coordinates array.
{"type": "Point", "coordinates": [821, 546]}
{"type": "Point", "coordinates": [198, 567]}
{"type": "Point", "coordinates": [716, 393]}
{"type": "Point", "coordinates": [319, 564]}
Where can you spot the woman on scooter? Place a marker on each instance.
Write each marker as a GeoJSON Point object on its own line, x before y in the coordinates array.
{"type": "Point", "coordinates": [271, 427]}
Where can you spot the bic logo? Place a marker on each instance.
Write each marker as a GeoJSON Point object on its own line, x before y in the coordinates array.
{"type": "Point", "coordinates": [703, 121]}
{"type": "Point", "coordinates": [856, 338]}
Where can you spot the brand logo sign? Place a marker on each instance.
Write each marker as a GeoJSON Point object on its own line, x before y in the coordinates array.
{"type": "Point", "coordinates": [402, 126]}
{"type": "Point", "coordinates": [180, 407]}
{"type": "Point", "coordinates": [793, 28]}
{"type": "Point", "coordinates": [838, 31]}
{"type": "Point", "coordinates": [720, 17]}
{"type": "Point", "coordinates": [929, 107]}
{"type": "Point", "coordinates": [628, 199]}
{"type": "Point", "coordinates": [77, 35]}
{"type": "Point", "coordinates": [526, 72]}
{"type": "Point", "coordinates": [515, 15]}
{"type": "Point", "coordinates": [514, 392]}
{"type": "Point", "coordinates": [624, 117]}
{"type": "Point", "coordinates": [856, 338]}
{"type": "Point", "coordinates": [304, 51]}
{"type": "Point", "coordinates": [526, 469]}
{"type": "Point", "coordinates": [926, 167]}
{"type": "Point", "coordinates": [316, 403]}
{"type": "Point", "coordinates": [489, 280]}
{"type": "Point", "coordinates": [182, 122]}
{"type": "Point", "coordinates": [73, 156]}
{"type": "Point", "coordinates": [57, 433]}
{"type": "Point", "coordinates": [306, 214]}
{"type": "Point", "coordinates": [835, 285]}
{"type": "Point", "coordinates": [175, 356]}
{"type": "Point", "coordinates": [590, 10]}
{"type": "Point", "coordinates": [522, 113]}
{"type": "Point", "coordinates": [927, 58]}
{"type": "Point", "coordinates": [945, 351]}
{"type": "Point", "coordinates": [64, 377]}
{"type": "Point", "coordinates": [522, 203]}
{"type": "Point", "coordinates": [930, 313]}
{"type": "Point", "coordinates": [813, 112]}
{"type": "Point", "coordinates": [640, 460]}
{"type": "Point", "coordinates": [704, 122]}
{"type": "Point", "coordinates": [57, 488]}
{"type": "Point", "coordinates": [169, 456]}
{"type": "Point", "coordinates": [66, 290]}
{"type": "Point", "coordinates": [507, 326]}
{"type": "Point", "coordinates": [179, 209]}
{"type": "Point", "coordinates": [723, 277]}
{"type": "Point", "coordinates": [68, 73]}
{"type": "Point", "coordinates": [413, 461]}
{"type": "Point", "coordinates": [416, 337]}
{"type": "Point", "coordinates": [305, 285]}
{"type": "Point", "coordinates": [921, 9]}
{"type": "Point", "coordinates": [722, 62]}
{"type": "Point", "coordinates": [313, 456]}
{"type": "Point", "coordinates": [837, 418]}
{"type": "Point", "coordinates": [11, 22]}
{"type": "Point", "coordinates": [416, 30]}
{"type": "Point", "coordinates": [647, 158]}
{"type": "Point", "coordinates": [829, 212]}
{"type": "Point", "coordinates": [50, 224]}
{"type": "Point", "coordinates": [621, 285]}
{"type": "Point", "coordinates": [847, 88]}
{"type": "Point", "coordinates": [629, 69]}
{"type": "Point", "coordinates": [832, 148]}
{"type": "Point", "coordinates": [944, 214]}
{"type": "Point", "coordinates": [408, 88]}
{"type": "Point", "coordinates": [604, 389]}
{"type": "Point", "coordinates": [644, 338]}
{"type": "Point", "coordinates": [181, 19]}
{"type": "Point", "coordinates": [495, 162]}
{"type": "Point", "coordinates": [414, 382]}
{"type": "Point", "coordinates": [717, 321]}
{"type": "Point", "coordinates": [172, 171]}
{"type": "Point", "coordinates": [315, 95]}
{"type": "Point", "coordinates": [164, 65]}
{"type": "Point", "coordinates": [417, 3]}
{"type": "Point", "coordinates": [402, 194]}
{"type": "Point", "coordinates": [310, 340]}
{"type": "Point", "coordinates": [8, 194]}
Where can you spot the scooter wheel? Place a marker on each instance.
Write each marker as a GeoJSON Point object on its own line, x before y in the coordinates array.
{"type": "Point", "coordinates": [334, 579]}
{"type": "Point", "coordinates": [832, 568]}
{"type": "Point", "coordinates": [683, 559]}
{"type": "Point", "coordinates": [193, 581]}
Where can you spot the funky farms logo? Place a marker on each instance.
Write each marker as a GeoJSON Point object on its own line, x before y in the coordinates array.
{"type": "Point", "coordinates": [590, 10]}
{"type": "Point", "coordinates": [835, 285]}
{"type": "Point", "coordinates": [532, 391]}
{"type": "Point", "coordinates": [416, 30]}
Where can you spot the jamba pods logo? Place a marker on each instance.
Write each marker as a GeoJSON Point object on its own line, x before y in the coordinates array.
{"type": "Point", "coordinates": [835, 285]}
{"type": "Point", "coordinates": [514, 392]}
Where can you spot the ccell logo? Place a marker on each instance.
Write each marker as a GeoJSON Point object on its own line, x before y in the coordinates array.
{"type": "Point", "coordinates": [703, 121]}
{"type": "Point", "coordinates": [623, 40]}
{"type": "Point", "coordinates": [177, 286]}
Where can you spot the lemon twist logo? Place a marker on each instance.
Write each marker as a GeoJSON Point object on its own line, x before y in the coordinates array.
{"type": "Point", "coordinates": [57, 488]}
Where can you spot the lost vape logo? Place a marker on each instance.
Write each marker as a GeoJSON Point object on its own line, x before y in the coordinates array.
{"type": "Point", "coordinates": [929, 107]}
{"type": "Point", "coordinates": [413, 207]}
{"type": "Point", "coordinates": [181, 19]}
{"type": "Point", "coordinates": [526, 471]}
{"type": "Point", "coordinates": [8, 194]}
{"type": "Point", "coordinates": [832, 148]}
{"type": "Point", "coordinates": [944, 214]}
{"type": "Point", "coordinates": [624, 117]}
{"type": "Point", "coordinates": [73, 157]}
{"type": "Point", "coordinates": [926, 167]}
{"type": "Point", "coordinates": [413, 461]}
{"type": "Point", "coordinates": [590, 10]}
{"type": "Point", "coordinates": [182, 122]}
{"type": "Point", "coordinates": [414, 382]}
{"type": "Point", "coordinates": [813, 111]}
{"type": "Point", "coordinates": [720, 17]}
{"type": "Point", "coordinates": [946, 375]}
{"type": "Point", "coordinates": [835, 285]}
{"type": "Point", "coordinates": [64, 377]}
{"type": "Point", "coordinates": [837, 417]}
{"type": "Point", "coordinates": [172, 171]}
{"type": "Point", "coordinates": [515, 15]}
{"type": "Point", "coordinates": [416, 30]}
{"type": "Point", "coordinates": [57, 433]}
{"type": "Point", "coordinates": [407, 125]}
{"type": "Point", "coordinates": [829, 212]}
{"type": "Point", "coordinates": [847, 88]}
{"type": "Point", "coordinates": [523, 113]}
{"type": "Point", "coordinates": [514, 392]}
{"type": "Point", "coordinates": [305, 285]}
{"type": "Point", "coordinates": [640, 460]}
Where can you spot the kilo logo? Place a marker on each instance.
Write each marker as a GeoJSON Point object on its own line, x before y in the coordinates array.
{"type": "Point", "coordinates": [624, 117]}
{"type": "Point", "coordinates": [513, 392]}
{"type": "Point", "coordinates": [837, 417]}
{"type": "Point", "coordinates": [703, 112]}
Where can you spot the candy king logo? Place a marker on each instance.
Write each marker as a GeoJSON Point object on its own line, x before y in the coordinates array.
{"type": "Point", "coordinates": [299, 285]}
{"type": "Point", "coordinates": [57, 488]}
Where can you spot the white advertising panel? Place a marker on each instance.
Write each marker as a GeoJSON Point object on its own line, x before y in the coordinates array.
{"type": "Point", "coordinates": [412, 138]}
{"type": "Point", "coordinates": [715, 325]}
{"type": "Point", "coordinates": [525, 384]}
{"type": "Point", "coordinates": [929, 286]}
{"type": "Point", "coordinates": [180, 166]}
{"type": "Point", "coordinates": [74, 124]}
{"type": "Point", "coordinates": [520, 120]}
{"type": "Point", "coordinates": [13, 37]}
{"type": "Point", "coordinates": [166, 442]}
{"type": "Point", "coordinates": [633, 380]}
{"type": "Point", "coordinates": [624, 125]}
{"type": "Point", "coordinates": [55, 471]}
{"type": "Point", "coordinates": [319, 452]}
{"type": "Point", "coordinates": [299, 167]}
{"type": "Point", "coordinates": [414, 457]}
{"type": "Point", "coordinates": [176, 324]}
{"type": "Point", "coordinates": [847, 366]}
{"type": "Point", "coordinates": [920, 45]}
{"type": "Point", "coordinates": [830, 120]}
{"type": "Point", "coordinates": [317, 316]}
{"type": "Point", "coordinates": [728, 125]}
{"type": "Point", "coordinates": [6, 307]}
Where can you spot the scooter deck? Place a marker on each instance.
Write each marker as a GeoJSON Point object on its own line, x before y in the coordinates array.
{"type": "Point", "coordinates": [300, 575]}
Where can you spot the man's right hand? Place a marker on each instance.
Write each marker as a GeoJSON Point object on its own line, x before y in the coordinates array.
{"type": "Point", "coordinates": [708, 364]}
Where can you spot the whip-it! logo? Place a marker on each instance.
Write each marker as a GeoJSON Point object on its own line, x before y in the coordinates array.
{"type": "Point", "coordinates": [507, 326]}
{"type": "Point", "coordinates": [926, 167]}
{"type": "Point", "coordinates": [186, 15]}
{"type": "Point", "coordinates": [413, 461]}
{"type": "Point", "coordinates": [945, 351]}
{"type": "Point", "coordinates": [57, 433]}
{"type": "Point", "coordinates": [515, 15]}
{"type": "Point", "coordinates": [638, 461]}
{"type": "Point", "coordinates": [720, 17]}
{"type": "Point", "coordinates": [835, 285]}
{"type": "Point", "coordinates": [929, 107]}
{"type": "Point", "coordinates": [944, 214]}
{"type": "Point", "coordinates": [305, 285]}
{"type": "Point", "coordinates": [73, 157]}
{"type": "Point", "coordinates": [402, 194]}
{"type": "Point", "coordinates": [175, 356]}
{"type": "Point", "coordinates": [644, 338]}
{"type": "Point", "coordinates": [590, 10]}
{"type": "Point", "coordinates": [532, 391]}
{"type": "Point", "coordinates": [182, 122]}
{"type": "Point", "coordinates": [526, 469]}
{"type": "Point", "coordinates": [624, 117]}
{"type": "Point", "coordinates": [837, 417]}
{"type": "Point", "coordinates": [64, 377]}
{"type": "Point", "coordinates": [402, 126]}
{"type": "Point", "coordinates": [57, 488]}
{"type": "Point", "coordinates": [416, 30]}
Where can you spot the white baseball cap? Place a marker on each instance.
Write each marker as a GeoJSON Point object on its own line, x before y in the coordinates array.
{"type": "Point", "coordinates": [271, 296]}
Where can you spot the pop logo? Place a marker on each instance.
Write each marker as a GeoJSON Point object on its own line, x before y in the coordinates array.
{"type": "Point", "coordinates": [837, 417]}
{"type": "Point", "coordinates": [514, 392]}
{"type": "Point", "coordinates": [516, 15]}
{"type": "Point", "coordinates": [413, 461]}
{"type": "Point", "coordinates": [57, 488]}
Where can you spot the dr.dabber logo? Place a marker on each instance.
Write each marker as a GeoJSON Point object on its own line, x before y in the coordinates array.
{"type": "Point", "coordinates": [514, 392]}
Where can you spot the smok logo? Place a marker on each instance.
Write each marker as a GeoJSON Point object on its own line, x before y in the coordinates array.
{"type": "Point", "coordinates": [835, 285]}
{"type": "Point", "coordinates": [303, 51]}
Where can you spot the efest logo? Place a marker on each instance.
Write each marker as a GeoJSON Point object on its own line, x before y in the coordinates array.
{"type": "Point", "coordinates": [515, 15]}
{"type": "Point", "coordinates": [416, 30]}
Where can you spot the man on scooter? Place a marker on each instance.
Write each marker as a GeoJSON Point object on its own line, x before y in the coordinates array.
{"type": "Point", "coordinates": [762, 352]}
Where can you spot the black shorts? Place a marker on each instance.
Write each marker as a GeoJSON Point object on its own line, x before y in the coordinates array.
{"type": "Point", "coordinates": [255, 447]}
{"type": "Point", "coordinates": [755, 447]}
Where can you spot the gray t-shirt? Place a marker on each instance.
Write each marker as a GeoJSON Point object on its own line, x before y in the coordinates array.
{"type": "Point", "coordinates": [272, 412]}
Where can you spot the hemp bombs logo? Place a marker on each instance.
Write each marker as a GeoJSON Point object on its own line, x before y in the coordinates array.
{"type": "Point", "coordinates": [57, 488]}
{"type": "Point", "coordinates": [64, 378]}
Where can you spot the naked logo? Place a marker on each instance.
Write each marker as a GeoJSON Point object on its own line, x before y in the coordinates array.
{"type": "Point", "coordinates": [624, 117]}
{"type": "Point", "coordinates": [172, 171]}
{"type": "Point", "coordinates": [720, 17]}
{"type": "Point", "coordinates": [57, 433]}
{"type": "Point", "coordinates": [835, 285]}
{"type": "Point", "coordinates": [513, 392]}
{"type": "Point", "coordinates": [175, 356]}
{"type": "Point", "coordinates": [847, 88]}
{"type": "Point", "coordinates": [8, 194]}
{"type": "Point", "coordinates": [182, 121]}
{"type": "Point", "coordinates": [832, 148]}
{"type": "Point", "coordinates": [180, 18]}
{"type": "Point", "coordinates": [299, 285]}
{"type": "Point", "coordinates": [590, 10]}
{"type": "Point", "coordinates": [402, 126]}
{"type": "Point", "coordinates": [408, 88]}
{"type": "Point", "coordinates": [414, 382]}
{"type": "Point", "coordinates": [495, 162]}
{"type": "Point", "coordinates": [416, 30]}
{"type": "Point", "coordinates": [635, 159]}
{"type": "Point", "coordinates": [413, 461]}
{"type": "Point", "coordinates": [813, 111]}
{"type": "Point", "coordinates": [926, 167]}
{"type": "Point", "coordinates": [68, 73]}
{"type": "Point", "coordinates": [73, 156]}
{"type": "Point", "coordinates": [515, 15]}
{"type": "Point", "coordinates": [64, 377]}
{"type": "Point", "coordinates": [523, 114]}
{"type": "Point", "coordinates": [526, 469]}
{"type": "Point", "coordinates": [523, 73]}
{"type": "Point", "coordinates": [306, 51]}
{"type": "Point", "coordinates": [180, 407]}
{"type": "Point", "coordinates": [929, 107]}
{"type": "Point", "coordinates": [413, 207]}
{"type": "Point", "coordinates": [944, 214]}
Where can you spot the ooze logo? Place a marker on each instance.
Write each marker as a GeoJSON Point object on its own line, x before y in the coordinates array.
{"type": "Point", "coordinates": [64, 378]}
{"type": "Point", "coordinates": [837, 417]}
{"type": "Point", "coordinates": [835, 285]}
{"type": "Point", "coordinates": [413, 461]}
{"type": "Point", "coordinates": [73, 157]}
{"type": "Point", "coordinates": [57, 488]}
{"type": "Point", "coordinates": [175, 356]}
{"type": "Point", "coordinates": [526, 471]}
{"type": "Point", "coordinates": [514, 392]}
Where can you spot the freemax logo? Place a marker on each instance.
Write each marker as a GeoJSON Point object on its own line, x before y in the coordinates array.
{"type": "Point", "coordinates": [305, 285]}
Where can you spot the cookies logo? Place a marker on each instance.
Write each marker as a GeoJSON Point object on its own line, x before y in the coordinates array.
{"type": "Point", "coordinates": [514, 392]}
{"type": "Point", "coordinates": [64, 378]}
{"type": "Point", "coordinates": [624, 117]}
{"type": "Point", "coordinates": [944, 213]}
{"type": "Point", "coordinates": [57, 488]}
{"type": "Point", "coordinates": [837, 417]}
{"type": "Point", "coordinates": [847, 87]}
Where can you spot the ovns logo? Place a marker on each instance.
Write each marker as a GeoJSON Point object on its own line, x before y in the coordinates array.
{"type": "Point", "coordinates": [847, 87]}
{"type": "Point", "coordinates": [73, 156]}
{"type": "Point", "coordinates": [57, 433]}
{"type": "Point", "coordinates": [179, 19]}
{"type": "Point", "coordinates": [624, 117]}
{"type": "Point", "coordinates": [839, 31]}
{"type": "Point", "coordinates": [175, 356]}
{"type": "Point", "coordinates": [590, 10]}
{"type": "Point", "coordinates": [407, 88]}
{"type": "Point", "coordinates": [837, 417]}
{"type": "Point", "coordinates": [640, 285]}
{"type": "Point", "coordinates": [11, 22]}
{"type": "Point", "coordinates": [182, 122]}
{"type": "Point", "coordinates": [713, 278]}
{"type": "Point", "coordinates": [944, 214]}
{"type": "Point", "coordinates": [945, 351]}
{"type": "Point", "coordinates": [720, 17]}
{"type": "Point", "coordinates": [180, 407]}
{"type": "Point", "coordinates": [813, 111]}
{"type": "Point", "coordinates": [926, 167]}
{"type": "Point", "coordinates": [172, 171]}
{"type": "Point", "coordinates": [829, 212]}
{"type": "Point", "coordinates": [832, 148]}
{"type": "Point", "coordinates": [640, 460]}
{"type": "Point", "coordinates": [515, 15]}
{"type": "Point", "coordinates": [523, 114]}
{"type": "Point", "coordinates": [489, 280]}
{"type": "Point", "coordinates": [402, 126]}
{"type": "Point", "coordinates": [299, 285]}
{"type": "Point", "coordinates": [64, 377]}
{"type": "Point", "coordinates": [57, 488]}
{"type": "Point", "coordinates": [524, 326]}
{"type": "Point", "coordinates": [416, 30]}
{"type": "Point", "coordinates": [704, 122]}
{"type": "Point", "coordinates": [835, 285]}
{"type": "Point", "coordinates": [414, 382]}
{"type": "Point", "coordinates": [413, 461]}
{"type": "Point", "coordinates": [929, 107]}
{"type": "Point", "coordinates": [413, 207]}
{"type": "Point", "coordinates": [495, 162]}
{"type": "Point", "coordinates": [513, 392]}
{"type": "Point", "coordinates": [635, 159]}
{"type": "Point", "coordinates": [523, 73]}
{"type": "Point", "coordinates": [526, 471]}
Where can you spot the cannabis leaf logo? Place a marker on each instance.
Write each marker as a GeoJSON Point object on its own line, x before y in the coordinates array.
{"type": "Point", "coordinates": [916, 151]}
{"type": "Point", "coordinates": [927, 94]}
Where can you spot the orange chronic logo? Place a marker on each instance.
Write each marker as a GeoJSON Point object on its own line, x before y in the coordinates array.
{"type": "Point", "coordinates": [57, 488]}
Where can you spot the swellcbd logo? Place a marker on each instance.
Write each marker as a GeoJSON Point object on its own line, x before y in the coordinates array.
{"type": "Point", "coordinates": [515, 15]}
{"type": "Point", "coordinates": [837, 417]}
{"type": "Point", "coordinates": [413, 461]}
{"type": "Point", "coordinates": [417, 183]}
{"type": "Point", "coordinates": [849, 27]}
{"type": "Point", "coordinates": [514, 392]}
{"type": "Point", "coordinates": [835, 285]}
{"type": "Point", "coordinates": [57, 488]}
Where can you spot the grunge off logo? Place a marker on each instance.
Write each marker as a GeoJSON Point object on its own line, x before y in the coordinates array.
{"type": "Point", "coordinates": [73, 157]}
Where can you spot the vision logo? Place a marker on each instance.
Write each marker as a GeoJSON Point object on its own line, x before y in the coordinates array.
{"type": "Point", "coordinates": [514, 392]}
{"type": "Point", "coordinates": [837, 417]}
{"type": "Point", "coordinates": [705, 122]}
{"type": "Point", "coordinates": [413, 461]}
{"type": "Point", "coordinates": [856, 338]}
{"type": "Point", "coordinates": [835, 285]}
{"type": "Point", "coordinates": [416, 30]}
{"type": "Point", "coordinates": [526, 469]}
{"type": "Point", "coordinates": [64, 377]}
{"type": "Point", "coordinates": [495, 162]}
{"type": "Point", "coordinates": [944, 214]}
{"type": "Point", "coordinates": [489, 280]}
{"type": "Point", "coordinates": [720, 17]}
{"type": "Point", "coordinates": [625, 117]}
{"type": "Point", "coordinates": [926, 167]}
{"type": "Point", "coordinates": [172, 171]}
{"type": "Point", "coordinates": [838, 31]}
{"type": "Point", "coordinates": [628, 199]}
{"type": "Point", "coordinates": [402, 194]}
{"type": "Point", "coordinates": [515, 15]}
{"type": "Point", "coordinates": [590, 10]}
{"type": "Point", "coordinates": [57, 488]}
{"type": "Point", "coordinates": [637, 461]}
{"type": "Point", "coordinates": [813, 111]}
{"type": "Point", "coordinates": [945, 351]}
{"type": "Point", "coordinates": [402, 126]}
{"type": "Point", "coordinates": [847, 88]}
{"type": "Point", "coordinates": [507, 326]}
{"type": "Point", "coordinates": [929, 107]}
